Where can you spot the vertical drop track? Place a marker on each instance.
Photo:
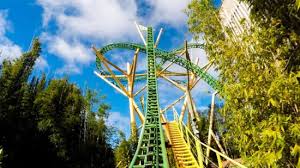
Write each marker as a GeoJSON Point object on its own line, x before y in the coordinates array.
{"type": "Point", "coordinates": [151, 150]}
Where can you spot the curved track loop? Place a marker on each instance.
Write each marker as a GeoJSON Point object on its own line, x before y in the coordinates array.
{"type": "Point", "coordinates": [171, 56]}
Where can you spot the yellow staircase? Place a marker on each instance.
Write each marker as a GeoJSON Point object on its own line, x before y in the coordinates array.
{"type": "Point", "coordinates": [182, 152]}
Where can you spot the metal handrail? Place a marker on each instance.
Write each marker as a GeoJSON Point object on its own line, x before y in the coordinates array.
{"type": "Point", "coordinates": [186, 133]}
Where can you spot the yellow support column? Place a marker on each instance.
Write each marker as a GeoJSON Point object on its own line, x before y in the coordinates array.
{"type": "Point", "coordinates": [219, 161]}
{"type": "Point", "coordinates": [199, 154]}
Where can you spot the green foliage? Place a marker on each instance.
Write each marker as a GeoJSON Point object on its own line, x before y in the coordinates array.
{"type": "Point", "coordinates": [14, 93]}
{"type": "Point", "coordinates": [97, 149]}
{"type": "Point", "coordinates": [59, 106]}
{"type": "Point", "coordinates": [203, 125]}
{"type": "Point", "coordinates": [49, 123]}
{"type": "Point", "coordinates": [219, 129]}
{"type": "Point", "coordinates": [260, 74]}
{"type": "Point", "coordinates": [171, 159]}
{"type": "Point", "coordinates": [125, 151]}
{"type": "Point", "coordinates": [284, 16]}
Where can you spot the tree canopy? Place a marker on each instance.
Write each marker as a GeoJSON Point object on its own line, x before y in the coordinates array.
{"type": "Point", "coordinates": [260, 73]}
{"type": "Point", "coordinates": [49, 123]}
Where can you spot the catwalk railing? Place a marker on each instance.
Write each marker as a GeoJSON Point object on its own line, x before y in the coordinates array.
{"type": "Point", "coordinates": [196, 147]}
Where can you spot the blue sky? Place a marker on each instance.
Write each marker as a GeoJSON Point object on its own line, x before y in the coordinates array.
{"type": "Point", "coordinates": [68, 29]}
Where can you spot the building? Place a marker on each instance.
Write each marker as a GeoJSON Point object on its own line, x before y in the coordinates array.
{"type": "Point", "coordinates": [232, 12]}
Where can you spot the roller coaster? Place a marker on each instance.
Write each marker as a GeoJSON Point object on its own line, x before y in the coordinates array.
{"type": "Point", "coordinates": [157, 135]}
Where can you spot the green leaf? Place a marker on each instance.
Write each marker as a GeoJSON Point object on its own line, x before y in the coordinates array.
{"type": "Point", "coordinates": [296, 150]}
{"type": "Point", "coordinates": [298, 4]}
{"type": "Point", "coordinates": [273, 102]}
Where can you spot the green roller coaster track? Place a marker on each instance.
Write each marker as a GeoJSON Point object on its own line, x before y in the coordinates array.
{"type": "Point", "coordinates": [151, 150]}
{"type": "Point", "coordinates": [167, 56]}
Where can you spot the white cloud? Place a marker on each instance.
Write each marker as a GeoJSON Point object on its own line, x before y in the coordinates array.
{"type": "Point", "coordinates": [72, 52]}
{"type": "Point", "coordinates": [104, 19]}
{"type": "Point", "coordinates": [171, 12]}
{"type": "Point", "coordinates": [109, 19]}
{"type": "Point", "coordinates": [68, 69]}
{"type": "Point", "coordinates": [167, 92]}
{"type": "Point", "coordinates": [203, 108]}
{"type": "Point", "coordinates": [200, 54]}
{"type": "Point", "coordinates": [175, 68]}
{"type": "Point", "coordinates": [123, 57]}
{"type": "Point", "coordinates": [93, 21]}
{"type": "Point", "coordinates": [96, 21]}
{"type": "Point", "coordinates": [8, 50]}
{"type": "Point", "coordinates": [41, 63]}
{"type": "Point", "coordinates": [4, 24]}
{"type": "Point", "coordinates": [115, 119]}
{"type": "Point", "coordinates": [202, 90]}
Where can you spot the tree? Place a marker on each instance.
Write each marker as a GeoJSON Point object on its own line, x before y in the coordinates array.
{"type": "Point", "coordinates": [96, 150]}
{"type": "Point", "coordinates": [124, 152]}
{"type": "Point", "coordinates": [59, 107]}
{"type": "Point", "coordinates": [41, 120]}
{"type": "Point", "coordinates": [260, 73]}
{"type": "Point", "coordinates": [14, 124]}
{"type": "Point", "coordinates": [284, 15]}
